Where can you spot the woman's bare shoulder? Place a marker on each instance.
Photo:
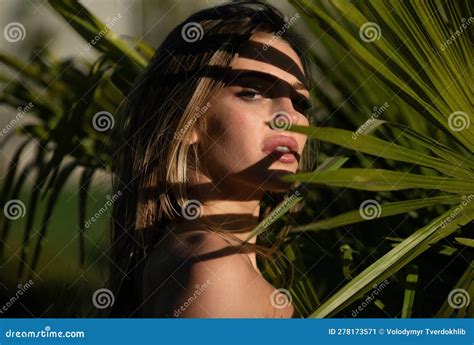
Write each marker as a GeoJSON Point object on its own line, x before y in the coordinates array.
{"type": "Point", "coordinates": [196, 254]}
{"type": "Point", "coordinates": [186, 248]}
{"type": "Point", "coordinates": [202, 274]}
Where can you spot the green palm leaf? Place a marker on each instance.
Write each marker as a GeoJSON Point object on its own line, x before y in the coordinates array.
{"type": "Point", "coordinates": [383, 180]}
{"type": "Point", "coordinates": [432, 81]}
{"type": "Point", "coordinates": [386, 210]}
{"type": "Point", "coordinates": [395, 259]}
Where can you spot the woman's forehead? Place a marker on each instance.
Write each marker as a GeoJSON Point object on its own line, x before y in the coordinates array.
{"type": "Point", "coordinates": [272, 55]}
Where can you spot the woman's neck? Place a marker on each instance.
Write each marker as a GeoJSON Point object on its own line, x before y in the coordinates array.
{"type": "Point", "coordinates": [230, 206]}
{"type": "Point", "coordinates": [231, 217]}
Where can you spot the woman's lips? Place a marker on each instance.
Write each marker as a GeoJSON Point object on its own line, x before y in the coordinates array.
{"type": "Point", "coordinates": [283, 148]}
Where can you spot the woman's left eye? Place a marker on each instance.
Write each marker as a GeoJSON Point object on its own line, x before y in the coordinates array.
{"type": "Point", "coordinates": [249, 94]}
{"type": "Point", "coordinates": [302, 105]}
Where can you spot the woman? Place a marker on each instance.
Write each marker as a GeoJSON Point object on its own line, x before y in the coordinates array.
{"type": "Point", "coordinates": [203, 144]}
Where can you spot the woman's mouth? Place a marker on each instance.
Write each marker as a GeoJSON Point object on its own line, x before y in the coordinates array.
{"type": "Point", "coordinates": [283, 148]}
{"type": "Point", "coordinates": [284, 157]}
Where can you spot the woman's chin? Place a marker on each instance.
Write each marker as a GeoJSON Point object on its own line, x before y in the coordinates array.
{"type": "Point", "coordinates": [274, 182]}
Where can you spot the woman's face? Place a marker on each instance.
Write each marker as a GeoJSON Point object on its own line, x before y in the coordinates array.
{"type": "Point", "coordinates": [246, 145]}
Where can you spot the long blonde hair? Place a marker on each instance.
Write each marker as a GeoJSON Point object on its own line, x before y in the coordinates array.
{"type": "Point", "coordinates": [154, 158]}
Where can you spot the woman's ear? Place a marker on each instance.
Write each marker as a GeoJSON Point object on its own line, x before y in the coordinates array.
{"type": "Point", "coordinates": [194, 138]}
{"type": "Point", "coordinates": [198, 130]}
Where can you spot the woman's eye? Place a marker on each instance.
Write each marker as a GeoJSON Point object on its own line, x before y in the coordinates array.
{"type": "Point", "coordinates": [249, 94]}
{"type": "Point", "coordinates": [302, 106]}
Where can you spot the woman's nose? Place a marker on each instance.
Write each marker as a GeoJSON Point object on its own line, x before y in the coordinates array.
{"type": "Point", "coordinates": [285, 111]}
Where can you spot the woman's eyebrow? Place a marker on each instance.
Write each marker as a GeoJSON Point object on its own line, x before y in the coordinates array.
{"type": "Point", "coordinates": [266, 78]}
{"type": "Point", "coordinates": [299, 86]}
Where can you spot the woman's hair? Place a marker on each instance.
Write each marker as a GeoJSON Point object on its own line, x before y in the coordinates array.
{"type": "Point", "coordinates": [161, 112]}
